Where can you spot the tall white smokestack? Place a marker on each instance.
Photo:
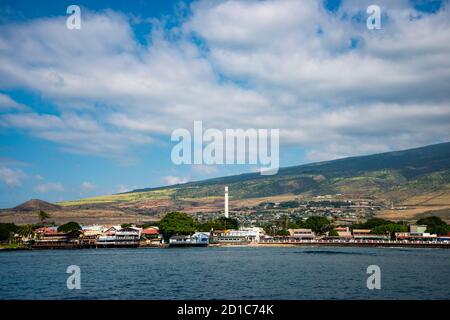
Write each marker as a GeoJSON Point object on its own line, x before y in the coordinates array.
{"type": "Point", "coordinates": [226, 202]}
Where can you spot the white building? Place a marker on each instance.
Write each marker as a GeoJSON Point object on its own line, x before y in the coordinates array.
{"type": "Point", "coordinates": [254, 234]}
{"type": "Point", "coordinates": [301, 233]}
{"type": "Point", "coordinates": [198, 239]}
{"type": "Point", "coordinates": [117, 236]}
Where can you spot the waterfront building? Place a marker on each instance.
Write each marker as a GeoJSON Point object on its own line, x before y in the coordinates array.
{"type": "Point", "coordinates": [300, 234]}
{"type": "Point", "coordinates": [151, 236]}
{"type": "Point", "coordinates": [444, 238]}
{"type": "Point", "coordinates": [365, 234]}
{"type": "Point", "coordinates": [119, 237]}
{"type": "Point", "coordinates": [409, 236]}
{"type": "Point", "coordinates": [254, 234]}
{"type": "Point", "coordinates": [231, 237]}
{"type": "Point", "coordinates": [46, 230]}
{"type": "Point", "coordinates": [89, 238]}
{"type": "Point", "coordinates": [150, 233]}
{"type": "Point", "coordinates": [54, 239]}
{"type": "Point", "coordinates": [198, 239]}
{"type": "Point", "coordinates": [343, 233]}
{"type": "Point", "coordinates": [416, 233]}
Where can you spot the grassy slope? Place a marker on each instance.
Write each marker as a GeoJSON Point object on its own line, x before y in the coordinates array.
{"type": "Point", "coordinates": [393, 176]}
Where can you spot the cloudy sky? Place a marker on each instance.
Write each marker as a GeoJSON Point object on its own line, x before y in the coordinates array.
{"type": "Point", "coordinates": [90, 111]}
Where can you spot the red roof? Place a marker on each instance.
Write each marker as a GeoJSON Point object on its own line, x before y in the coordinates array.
{"type": "Point", "coordinates": [150, 231]}
{"type": "Point", "coordinates": [46, 230]}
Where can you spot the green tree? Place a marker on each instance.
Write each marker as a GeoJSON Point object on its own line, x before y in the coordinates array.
{"type": "Point", "coordinates": [435, 225]}
{"type": "Point", "coordinates": [7, 230]}
{"type": "Point", "coordinates": [333, 233]}
{"type": "Point", "coordinates": [431, 221]}
{"type": "Point", "coordinates": [25, 230]}
{"type": "Point", "coordinates": [219, 224]}
{"type": "Point", "coordinates": [150, 224]}
{"type": "Point", "coordinates": [390, 228]}
{"type": "Point", "coordinates": [176, 223]}
{"type": "Point", "coordinates": [282, 232]}
{"type": "Point", "coordinates": [298, 223]}
{"type": "Point", "coordinates": [320, 225]}
{"type": "Point", "coordinates": [371, 223]}
{"type": "Point", "coordinates": [69, 227]}
{"type": "Point", "coordinates": [42, 215]}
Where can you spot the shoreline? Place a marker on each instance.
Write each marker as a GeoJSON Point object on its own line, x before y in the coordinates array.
{"type": "Point", "coordinates": [263, 245]}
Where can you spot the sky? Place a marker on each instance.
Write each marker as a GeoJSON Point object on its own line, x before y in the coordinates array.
{"type": "Point", "coordinates": [91, 111]}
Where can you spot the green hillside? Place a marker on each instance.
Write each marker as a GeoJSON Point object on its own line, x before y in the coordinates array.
{"type": "Point", "coordinates": [399, 175]}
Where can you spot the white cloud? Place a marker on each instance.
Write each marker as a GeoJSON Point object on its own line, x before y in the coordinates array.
{"type": "Point", "coordinates": [121, 188]}
{"type": "Point", "coordinates": [87, 186]}
{"type": "Point", "coordinates": [171, 180]}
{"type": "Point", "coordinates": [11, 177]}
{"type": "Point", "coordinates": [205, 169]}
{"type": "Point", "coordinates": [7, 104]}
{"type": "Point", "coordinates": [49, 187]}
{"type": "Point", "coordinates": [267, 64]}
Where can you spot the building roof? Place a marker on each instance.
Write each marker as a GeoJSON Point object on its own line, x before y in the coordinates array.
{"type": "Point", "coordinates": [344, 234]}
{"type": "Point", "coordinates": [149, 231]}
{"type": "Point", "coordinates": [361, 230]}
{"type": "Point", "coordinates": [300, 230]}
{"type": "Point", "coordinates": [47, 230]}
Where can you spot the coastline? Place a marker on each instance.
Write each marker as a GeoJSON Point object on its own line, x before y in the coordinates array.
{"type": "Point", "coordinates": [266, 245]}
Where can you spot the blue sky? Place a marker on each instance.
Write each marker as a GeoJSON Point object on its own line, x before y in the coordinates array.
{"type": "Point", "coordinates": [89, 112]}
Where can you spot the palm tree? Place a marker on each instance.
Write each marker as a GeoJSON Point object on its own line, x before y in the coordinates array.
{"type": "Point", "coordinates": [25, 231]}
{"type": "Point", "coordinates": [43, 215]}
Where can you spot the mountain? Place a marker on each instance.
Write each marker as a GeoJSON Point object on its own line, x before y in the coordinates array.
{"type": "Point", "coordinates": [35, 205]}
{"type": "Point", "coordinates": [417, 181]}
{"type": "Point", "coordinates": [399, 173]}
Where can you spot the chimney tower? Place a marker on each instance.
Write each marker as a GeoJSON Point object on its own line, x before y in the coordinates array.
{"type": "Point", "coordinates": [226, 202]}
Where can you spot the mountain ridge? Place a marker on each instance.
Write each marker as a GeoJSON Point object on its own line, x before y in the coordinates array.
{"type": "Point", "coordinates": [445, 147]}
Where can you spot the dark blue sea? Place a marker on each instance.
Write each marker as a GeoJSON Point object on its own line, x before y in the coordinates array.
{"type": "Point", "coordinates": [226, 273]}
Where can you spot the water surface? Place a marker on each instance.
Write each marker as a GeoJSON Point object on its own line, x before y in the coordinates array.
{"type": "Point", "coordinates": [226, 273]}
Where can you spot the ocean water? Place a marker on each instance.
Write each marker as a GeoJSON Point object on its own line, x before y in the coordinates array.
{"type": "Point", "coordinates": [226, 273]}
